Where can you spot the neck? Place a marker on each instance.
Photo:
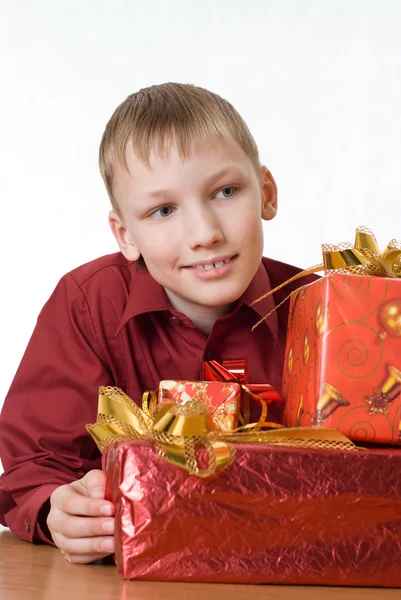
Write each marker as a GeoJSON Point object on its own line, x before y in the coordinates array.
{"type": "Point", "coordinates": [203, 317]}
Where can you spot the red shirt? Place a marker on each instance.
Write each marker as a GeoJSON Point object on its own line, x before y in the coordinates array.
{"type": "Point", "coordinates": [107, 323]}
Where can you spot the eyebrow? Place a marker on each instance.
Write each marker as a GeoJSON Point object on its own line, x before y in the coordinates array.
{"type": "Point", "coordinates": [222, 173]}
{"type": "Point", "coordinates": [212, 179]}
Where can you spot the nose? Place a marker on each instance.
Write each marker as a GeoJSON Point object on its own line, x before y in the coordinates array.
{"type": "Point", "coordinates": [203, 227]}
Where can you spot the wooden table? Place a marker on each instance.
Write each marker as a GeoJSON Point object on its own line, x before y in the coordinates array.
{"type": "Point", "coordinates": [40, 572]}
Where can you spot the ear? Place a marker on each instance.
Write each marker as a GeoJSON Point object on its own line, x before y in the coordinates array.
{"type": "Point", "coordinates": [120, 232]}
{"type": "Point", "coordinates": [269, 194]}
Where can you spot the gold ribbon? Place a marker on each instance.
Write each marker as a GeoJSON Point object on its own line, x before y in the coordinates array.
{"type": "Point", "coordinates": [177, 431]}
{"type": "Point", "coordinates": [362, 258]}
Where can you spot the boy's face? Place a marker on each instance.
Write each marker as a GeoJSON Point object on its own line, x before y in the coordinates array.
{"type": "Point", "coordinates": [197, 223]}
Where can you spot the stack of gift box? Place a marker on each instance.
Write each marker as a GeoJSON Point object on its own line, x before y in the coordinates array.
{"type": "Point", "coordinates": [203, 495]}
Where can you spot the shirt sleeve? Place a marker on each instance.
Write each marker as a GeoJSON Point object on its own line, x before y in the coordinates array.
{"type": "Point", "coordinates": [43, 441]}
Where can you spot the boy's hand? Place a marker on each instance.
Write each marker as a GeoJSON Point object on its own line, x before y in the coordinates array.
{"type": "Point", "coordinates": [80, 519]}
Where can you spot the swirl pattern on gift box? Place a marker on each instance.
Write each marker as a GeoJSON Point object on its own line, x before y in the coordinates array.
{"type": "Point", "coordinates": [295, 381]}
{"type": "Point", "coordinates": [313, 299]}
{"type": "Point", "coordinates": [363, 303]}
{"type": "Point", "coordinates": [307, 419]}
{"type": "Point", "coordinates": [310, 375]}
{"type": "Point", "coordinates": [309, 368]}
{"type": "Point", "coordinates": [362, 430]}
{"type": "Point", "coordinates": [351, 288]}
{"type": "Point", "coordinates": [297, 319]}
{"type": "Point", "coordinates": [359, 427]}
{"type": "Point", "coordinates": [362, 352]}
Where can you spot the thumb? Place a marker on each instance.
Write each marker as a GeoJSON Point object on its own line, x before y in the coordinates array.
{"type": "Point", "coordinates": [95, 483]}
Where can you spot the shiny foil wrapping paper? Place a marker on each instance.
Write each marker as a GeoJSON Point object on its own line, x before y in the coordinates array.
{"type": "Point", "coordinates": [276, 515]}
{"type": "Point", "coordinates": [343, 357]}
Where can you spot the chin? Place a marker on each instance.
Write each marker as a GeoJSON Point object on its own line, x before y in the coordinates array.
{"type": "Point", "coordinates": [219, 301]}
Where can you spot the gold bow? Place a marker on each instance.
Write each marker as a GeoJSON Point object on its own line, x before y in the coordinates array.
{"type": "Point", "coordinates": [175, 429]}
{"type": "Point", "coordinates": [362, 258]}
{"type": "Point", "coordinates": [178, 431]}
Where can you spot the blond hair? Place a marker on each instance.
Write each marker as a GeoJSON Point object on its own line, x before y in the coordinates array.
{"type": "Point", "coordinates": [154, 117]}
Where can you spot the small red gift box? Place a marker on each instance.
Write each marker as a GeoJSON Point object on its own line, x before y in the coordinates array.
{"type": "Point", "coordinates": [225, 391]}
{"type": "Point", "coordinates": [223, 400]}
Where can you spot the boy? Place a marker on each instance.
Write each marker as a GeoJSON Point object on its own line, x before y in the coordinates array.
{"type": "Point", "coordinates": [188, 197]}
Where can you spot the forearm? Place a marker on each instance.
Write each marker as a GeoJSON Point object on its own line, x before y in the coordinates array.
{"type": "Point", "coordinates": [43, 441]}
{"type": "Point", "coordinates": [20, 512]}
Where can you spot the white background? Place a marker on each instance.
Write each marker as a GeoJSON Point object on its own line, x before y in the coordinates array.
{"type": "Point", "coordinates": [318, 81]}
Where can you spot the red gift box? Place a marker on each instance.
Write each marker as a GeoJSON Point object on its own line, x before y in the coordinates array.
{"type": "Point", "coordinates": [225, 391]}
{"type": "Point", "coordinates": [343, 357]}
{"type": "Point", "coordinates": [223, 400]}
{"type": "Point", "coordinates": [276, 515]}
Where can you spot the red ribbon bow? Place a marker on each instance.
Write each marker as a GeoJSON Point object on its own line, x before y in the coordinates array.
{"type": "Point", "coordinates": [236, 371]}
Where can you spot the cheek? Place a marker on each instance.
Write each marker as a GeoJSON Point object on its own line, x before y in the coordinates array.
{"type": "Point", "coordinates": [250, 235]}
{"type": "Point", "coordinates": [157, 246]}
{"type": "Point", "coordinates": [250, 210]}
{"type": "Point", "coordinates": [249, 225]}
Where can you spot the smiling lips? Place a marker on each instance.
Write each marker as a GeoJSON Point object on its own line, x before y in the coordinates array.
{"type": "Point", "coordinates": [212, 270]}
{"type": "Point", "coordinates": [215, 265]}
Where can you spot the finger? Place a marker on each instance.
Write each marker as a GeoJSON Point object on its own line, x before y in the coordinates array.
{"type": "Point", "coordinates": [79, 527]}
{"type": "Point", "coordinates": [84, 559]}
{"type": "Point", "coordinates": [69, 501]}
{"type": "Point", "coordinates": [102, 545]}
{"type": "Point", "coordinates": [94, 483]}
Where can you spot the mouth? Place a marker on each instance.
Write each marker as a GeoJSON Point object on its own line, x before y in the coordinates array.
{"type": "Point", "coordinates": [214, 269]}
{"type": "Point", "coordinates": [216, 263]}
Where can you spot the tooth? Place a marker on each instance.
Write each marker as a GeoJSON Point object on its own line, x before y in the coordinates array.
{"type": "Point", "coordinates": [219, 264]}
{"type": "Point", "coordinates": [208, 267]}
{"type": "Point", "coordinates": [199, 266]}
{"type": "Point", "coordinates": [227, 260]}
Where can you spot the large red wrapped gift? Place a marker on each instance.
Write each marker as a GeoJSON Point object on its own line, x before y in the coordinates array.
{"type": "Point", "coordinates": [276, 515]}
{"type": "Point", "coordinates": [343, 353]}
{"type": "Point", "coordinates": [293, 507]}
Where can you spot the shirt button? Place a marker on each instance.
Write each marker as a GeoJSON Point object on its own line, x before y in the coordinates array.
{"type": "Point", "coordinates": [209, 355]}
{"type": "Point", "coordinates": [27, 525]}
{"type": "Point", "coordinates": [174, 319]}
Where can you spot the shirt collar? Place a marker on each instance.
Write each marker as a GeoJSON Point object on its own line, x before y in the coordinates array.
{"type": "Point", "coordinates": [147, 296]}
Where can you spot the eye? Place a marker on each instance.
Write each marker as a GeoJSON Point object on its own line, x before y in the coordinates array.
{"type": "Point", "coordinates": [163, 212]}
{"type": "Point", "coordinates": [227, 192]}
